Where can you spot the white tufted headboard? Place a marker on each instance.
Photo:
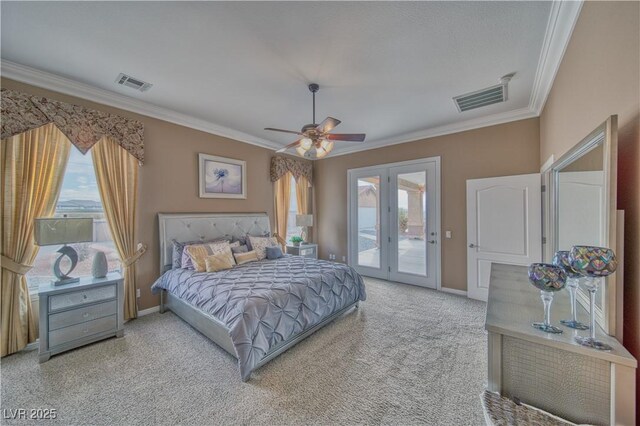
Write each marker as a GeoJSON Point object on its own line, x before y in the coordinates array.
{"type": "Point", "coordinates": [206, 226]}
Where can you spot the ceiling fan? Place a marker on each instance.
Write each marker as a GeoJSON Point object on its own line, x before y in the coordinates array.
{"type": "Point", "coordinates": [315, 138]}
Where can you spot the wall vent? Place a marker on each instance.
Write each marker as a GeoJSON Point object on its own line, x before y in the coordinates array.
{"type": "Point", "coordinates": [480, 98]}
{"type": "Point", "coordinates": [134, 83]}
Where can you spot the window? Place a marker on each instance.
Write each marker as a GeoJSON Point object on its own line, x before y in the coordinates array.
{"type": "Point", "coordinates": [79, 197]}
{"type": "Point", "coordinates": [292, 229]}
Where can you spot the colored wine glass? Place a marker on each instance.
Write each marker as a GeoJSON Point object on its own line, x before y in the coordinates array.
{"type": "Point", "coordinates": [548, 279]}
{"type": "Point", "coordinates": [561, 259]}
{"type": "Point", "coordinates": [594, 263]}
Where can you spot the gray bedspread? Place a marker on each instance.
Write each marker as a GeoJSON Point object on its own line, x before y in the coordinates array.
{"type": "Point", "coordinates": [267, 302]}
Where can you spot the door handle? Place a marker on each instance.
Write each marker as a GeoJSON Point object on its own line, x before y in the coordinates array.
{"type": "Point", "coordinates": [473, 246]}
{"type": "Point", "coordinates": [432, 241]}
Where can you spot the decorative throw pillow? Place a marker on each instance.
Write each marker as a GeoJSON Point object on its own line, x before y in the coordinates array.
{"type": "Point", "coordinates": [241, 239]}
{"type": "Point", "coordinates": [178, 250]}
{"type": "Point", "coordinates": [242, 258]}
{"type": "Point", "coordinates": [247, 239]}
{"type": "Point", "coordinates": [274, 253]}
{"type": "Point", "coordinates": [239, 249]}
{"type": "Point", "coordinates": [199, 253]}
{"type": "Point", "coordinates": [260, 244]}
{"type": "Point", "coordinates": [219, 262]}
{"type": "Point", "coordinates": [185, 260]}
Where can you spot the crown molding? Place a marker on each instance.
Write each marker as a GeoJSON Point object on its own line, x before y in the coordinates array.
{"type": "Point", "coordinates": [562, 21]}
{"type": "Point", "coordinates": [447, 129]}
{"type": "Point", "coordinates": [56, 83]}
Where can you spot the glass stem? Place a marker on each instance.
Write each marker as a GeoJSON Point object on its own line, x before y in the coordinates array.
{"type": "Point", "coordinates": [592, 309]}
{"type": "Point", "coordinates": [572, 285]}
{"type": "Point", "coordinates": [547, 297]}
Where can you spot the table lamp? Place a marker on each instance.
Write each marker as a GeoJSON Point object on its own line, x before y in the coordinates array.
{"type": "Point", "coordinates": [304, 221]}
{"type": "Point", "coordinates": [63, 230]}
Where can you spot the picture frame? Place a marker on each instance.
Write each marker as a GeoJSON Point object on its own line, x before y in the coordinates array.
{"type": "Point", "coordinates": [220, 177]}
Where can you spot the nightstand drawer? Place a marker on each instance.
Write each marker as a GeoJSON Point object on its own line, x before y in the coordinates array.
{"type": "Point", "coordinates": [77, 298]}
{"type": "Point", "coordinates": [308, 251]}
{"type": "Point", "coordinates": [78, 331]}
{"type": "Point", "coordinates": [83, 314]}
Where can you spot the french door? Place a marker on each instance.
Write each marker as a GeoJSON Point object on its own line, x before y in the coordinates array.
{"type": "Point", "coordinates": [394, 222]}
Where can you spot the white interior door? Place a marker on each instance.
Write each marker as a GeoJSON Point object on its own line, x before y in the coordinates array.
{"type": "Point", "coordinates": [414, 237]}
{"type": "Point", "coordinates": [369, 221]}
{"type": "Point", "coordinates": [504, 225]}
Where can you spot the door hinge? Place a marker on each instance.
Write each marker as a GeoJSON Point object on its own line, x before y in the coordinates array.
{"type": "Point", "coordinates": [543, 188]}
{"type": "Point", "coordinates": [389, 209]}
{"type": "Point", "coordinates": [389, 268]}
{"type": "Point", "coordinates": [389, 239]}
{"type": "Point", "coordinates": [389, 179]}
{"type": "Point", "coordinates": [544, 240]}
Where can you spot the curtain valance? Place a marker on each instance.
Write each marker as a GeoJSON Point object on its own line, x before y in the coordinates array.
{"type": "Point", "coordinates": [83, 126]}
{"type": "Point", "coordinates": [281, 165]}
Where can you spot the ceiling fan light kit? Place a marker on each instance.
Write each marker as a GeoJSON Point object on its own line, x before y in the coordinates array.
{"type": "Point", "coordinates": [315, 140]}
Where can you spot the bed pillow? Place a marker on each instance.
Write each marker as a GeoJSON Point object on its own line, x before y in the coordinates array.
{"type": "Point", "coordinates": [242, 258]}
{"type": "Point", "coordinates": [198, 253]}
{"type": "Point", "coordinates": [274, 253]}
{"type": "Point", "coordinates": [260, 244]}
{"type": "Point", "coordinates": [241, 239]}
{"type": "Point", "coordinates": [178, 250]}
{"type": "Point", "coordinates": [219, 262]}
{"type": "Point", "coordinates": [247, 239]}
{"type": "Point", "coordinates": [240, 249]}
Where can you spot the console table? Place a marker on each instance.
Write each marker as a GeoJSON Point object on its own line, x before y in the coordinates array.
{"type": "Point", "coordinates": [551, 371]}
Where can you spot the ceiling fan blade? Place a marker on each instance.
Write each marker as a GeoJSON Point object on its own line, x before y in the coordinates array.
{"type": "Point", "coordinates": [349, 137]}
{"type": "Point", "coordinates": [291, 145]}
{"type": "Point", "coordinates": [282, 130]}
{"type": "Point", "coordinates": [327, 124]}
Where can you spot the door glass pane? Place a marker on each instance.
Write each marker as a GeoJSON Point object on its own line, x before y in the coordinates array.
{"type": "Point", "coordinates": [369, 221]}
{"type": "Point", "coordinates": [412, 220]}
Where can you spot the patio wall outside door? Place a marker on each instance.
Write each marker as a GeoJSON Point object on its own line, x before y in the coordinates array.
{"type": "Point", "coordinates": [394, 221]}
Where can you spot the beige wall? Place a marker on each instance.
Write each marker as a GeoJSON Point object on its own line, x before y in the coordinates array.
{"type": "Point", "coordinates": [169, 179]}
{"type": "Point", "coordinates": [600, 76]}
{"type": "Point", "coordinates": [506, 149]}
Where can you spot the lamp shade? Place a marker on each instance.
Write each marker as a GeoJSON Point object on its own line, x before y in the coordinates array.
{"type": "Point", "coordinates": [304, 220]}
{"type": "Point", "coordinates": [63, 230]}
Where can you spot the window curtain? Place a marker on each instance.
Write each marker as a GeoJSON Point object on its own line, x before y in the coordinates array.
{"type": "Point", "coordinates": [117, 176]}
{"type": "Point", "coordinates": [283, 200]}
{"type": "Point", "coordinates": [302, 194]}
{"type": "Point", "coordinates": [33, 165]}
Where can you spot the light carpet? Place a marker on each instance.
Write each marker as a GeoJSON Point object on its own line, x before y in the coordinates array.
{"type": "Point", "coordinates": [408, 355]}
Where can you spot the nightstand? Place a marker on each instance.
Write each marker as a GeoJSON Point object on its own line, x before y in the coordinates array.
{"type": "Point", "coordinates": [306, 250]}
{"type": "Point", "coordinates": [73, 315]}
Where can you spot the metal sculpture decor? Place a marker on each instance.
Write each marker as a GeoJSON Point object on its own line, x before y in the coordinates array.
{"type": "Point", "coordinates": [548, 279]}
{"type": "Point", "coordinates": [561, 259]}
{"type": "Point", "coordinates": [593, 263]}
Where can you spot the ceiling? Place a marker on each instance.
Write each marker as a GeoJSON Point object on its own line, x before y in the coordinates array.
{"type": "Point", "coordinates": [388, 69]}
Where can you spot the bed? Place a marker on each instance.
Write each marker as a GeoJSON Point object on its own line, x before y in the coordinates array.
{"type": "Point", "coordinates": [257, 310]}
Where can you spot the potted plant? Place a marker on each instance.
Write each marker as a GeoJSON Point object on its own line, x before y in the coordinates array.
{"type": "Point", "coordinates": [296, 240]}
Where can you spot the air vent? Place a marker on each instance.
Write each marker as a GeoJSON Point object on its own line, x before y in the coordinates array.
{"type": "Point", "coordinates": [134, 83]}
{"type": "Point", "coordinates": [480, 98]}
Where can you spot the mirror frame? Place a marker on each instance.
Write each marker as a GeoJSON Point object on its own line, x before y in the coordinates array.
{"type": "Point", "coordinates": [607, 134]}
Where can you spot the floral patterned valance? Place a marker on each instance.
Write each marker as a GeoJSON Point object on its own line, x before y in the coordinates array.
{"type": "Point", "coordinates": [83, 126]}
{"type": "Point", "coordinates": [281, 165]}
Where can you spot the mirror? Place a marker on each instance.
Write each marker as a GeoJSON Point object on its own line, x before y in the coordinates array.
{"type": "Point", "coordinates": [582, 208]}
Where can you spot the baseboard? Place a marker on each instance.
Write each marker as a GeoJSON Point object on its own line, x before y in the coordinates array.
{"type": "Point", "coordinates": [454, 291]}
{"type": "Point", "coordinates": [32, 346]}
{"type": "Point", "coordinates": [148, 311]}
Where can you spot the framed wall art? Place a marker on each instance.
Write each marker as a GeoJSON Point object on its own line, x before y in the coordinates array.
{"type": "Point", "coordinates": [221, 177]}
